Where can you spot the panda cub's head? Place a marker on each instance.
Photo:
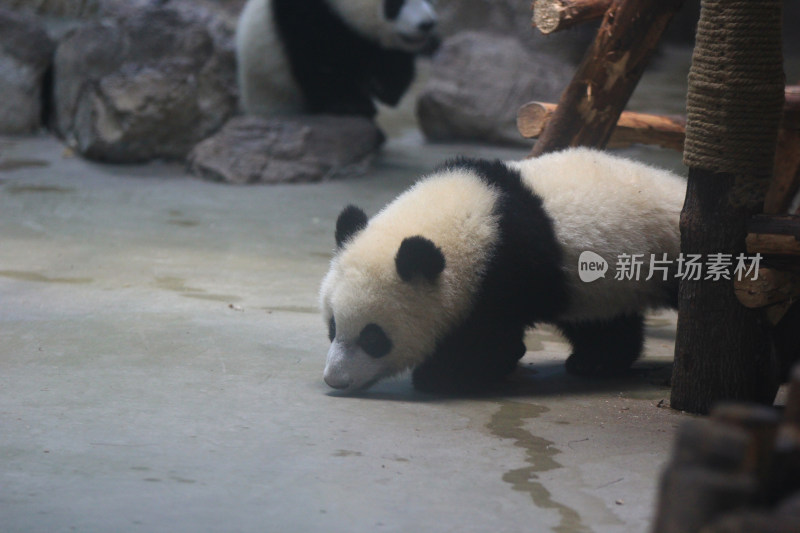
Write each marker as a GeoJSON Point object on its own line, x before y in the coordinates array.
{"type": "Point", "coordinates": [380, 300]}
{"type": "Point", "coordinates": [395, 24]}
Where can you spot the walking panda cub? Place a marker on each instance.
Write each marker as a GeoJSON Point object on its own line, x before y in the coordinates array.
{"type": "Point", "coordinates": [448, 276]}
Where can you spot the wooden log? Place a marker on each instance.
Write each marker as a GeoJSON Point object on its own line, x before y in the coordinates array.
{"type": "Point", "coordinates": [774, 234]}
{"type": "Point", "coordinates": [555, 15]}
{"type": "Point", "coordinates": [691, 498]}
{"type": "Point", "coordinates": [710, 443]}
{"type": "Point", "coordinates": [761, 424]}
{"type": "Point", "coordinates": [772, 287]}
{"type": "Point", "coordinates": [773, 244]}
{"type": "Point", "coordinates": [751, 521]}
{"type": "Point", "coordinates": [631, 128]}
{"type": "Point", "coordinates": [591, 104]}
{"type": "Point", "coordinates": [786, 477]}
{"type": "Point", "coordinates": [786, 180]}
{"type": "Point", "coordinates": [791, 413]}
{"type": "Point", "coordinates": [706, 469]}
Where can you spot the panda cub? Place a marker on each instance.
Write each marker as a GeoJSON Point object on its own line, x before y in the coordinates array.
{"type": "Point", "coordinates": [448, 276]}
{"type": "Point", "coordinates": [329, 56]}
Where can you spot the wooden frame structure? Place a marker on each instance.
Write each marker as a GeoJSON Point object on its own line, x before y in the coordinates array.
{"type": "Point", "coordinates": [590, 113]}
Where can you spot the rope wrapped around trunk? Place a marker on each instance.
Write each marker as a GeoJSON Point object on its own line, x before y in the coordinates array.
{"type": "Point", "coordinates": [736, 92]}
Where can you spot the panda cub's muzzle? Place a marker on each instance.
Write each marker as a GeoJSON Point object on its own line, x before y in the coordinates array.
{"type": "Point", "coordinates": [349, 368]}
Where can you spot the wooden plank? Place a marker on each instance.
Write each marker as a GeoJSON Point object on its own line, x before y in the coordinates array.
{"type": "Point", "coordinates": [772, 244]}
{"type": "Point", "coordinates": [771, 287]}
{"type": "Point", "coordinates": [632, 128]}
{"type": "Point", "coordinates": [777, 224]}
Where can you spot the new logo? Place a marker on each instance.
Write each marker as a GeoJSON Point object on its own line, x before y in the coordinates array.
{"type": "Point", "coordinates": [591, 266]}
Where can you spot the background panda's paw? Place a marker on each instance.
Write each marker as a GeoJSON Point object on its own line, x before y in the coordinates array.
{"type": "Point", "coordinates": [595, 365]}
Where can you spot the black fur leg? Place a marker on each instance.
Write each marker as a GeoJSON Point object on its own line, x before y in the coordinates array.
{"type": "Point", "coordinates": [604, 348]}
{"type": "Point", "coordinates": [468, 363]}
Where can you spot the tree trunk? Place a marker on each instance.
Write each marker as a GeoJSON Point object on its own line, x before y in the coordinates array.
{"type": "Point", "coordinates": [736, 93]}
{"type": "Point", "coordinates": [722, 350]}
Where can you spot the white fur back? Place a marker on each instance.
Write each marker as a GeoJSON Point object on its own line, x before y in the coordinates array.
{"type": "Point", "coordinates": [608, 205]}
{"type": "Point", "coordinates": [265, 80]}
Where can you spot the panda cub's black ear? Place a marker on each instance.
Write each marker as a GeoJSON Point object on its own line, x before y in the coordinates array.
{"type": "Point", "coordinates": [419, 257]}
{"type": "Point", "coordinates": [351, 220]}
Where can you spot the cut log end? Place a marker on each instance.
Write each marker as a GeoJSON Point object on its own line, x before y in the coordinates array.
{"type": "Point", "coordinates": [554, 15]}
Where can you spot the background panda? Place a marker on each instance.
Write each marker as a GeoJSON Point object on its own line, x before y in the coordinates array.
{"type": "Point", "coordinates": [329, 56]}
{"type": "Point", "coordinates": [447, 277]}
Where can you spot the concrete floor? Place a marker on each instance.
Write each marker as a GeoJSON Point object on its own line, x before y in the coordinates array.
{"type": "Point", "coordinates": [160, 370]}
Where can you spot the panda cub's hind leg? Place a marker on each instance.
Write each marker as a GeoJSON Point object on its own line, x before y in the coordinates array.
{"type": "Point", "coordinates": [604, 347]}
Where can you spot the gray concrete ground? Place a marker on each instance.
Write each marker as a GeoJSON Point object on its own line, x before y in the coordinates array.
{"type": "Point", "coordinates": [160, 370]}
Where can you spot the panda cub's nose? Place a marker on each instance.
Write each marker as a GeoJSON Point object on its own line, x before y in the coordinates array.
{"type": "Point", "coordinates": [427, 26]}
{"type": "Point", "coordinates": [336, 381]}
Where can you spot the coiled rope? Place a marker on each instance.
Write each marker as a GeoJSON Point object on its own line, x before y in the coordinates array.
{"type": "Point", "coordinates": [736, 93]}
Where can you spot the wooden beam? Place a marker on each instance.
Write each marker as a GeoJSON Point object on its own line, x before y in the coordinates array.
{"type": "Point", "coordinates": [555, 15]}
{"type": "Point", "coordinates": [767, 244]}
{"type": "Point", "coordinates": [771, 287]}
{"type": "Point", "coordinates": [593, 101]}
{"type": "Point", "coordinates": [786, 180]}
{"type": "Point", "coordinates": [631, 128]}
{"type": "Point", "coordinates": [773, 235]}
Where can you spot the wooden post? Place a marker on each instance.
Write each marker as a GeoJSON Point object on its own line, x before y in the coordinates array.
{"type": "Point", "coordinates": [722, 349]}
{"type": "Point", "coordinates": [555, 15]}
{"type": "Point", "coordinates": [604, 81]}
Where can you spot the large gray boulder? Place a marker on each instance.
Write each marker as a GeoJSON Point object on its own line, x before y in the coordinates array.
{"type": "Point", "coordinates": [25, 55]}
{"type": "Point", "coordinates": [478, 82]}
{"type": "Point", "coordinates": [150, 83]}
{"type": "Point", "coordinates": [252, 149]}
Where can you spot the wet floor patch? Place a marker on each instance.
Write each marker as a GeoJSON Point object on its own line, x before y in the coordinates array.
{"type": "Point", "coordinates": [9, 165]}
{"type": "Point", "coordinates": [176, 284]}
{"type": "Point", "coordinates": [16, 189]}
{"type": "Point", "coordinates": [291, 309]}
{"type": "Point", "coordinates": [21, 275]}
{"type": "Point", "coordinates": [507, 423]}
{"type": "Point", "coordinates": [347, 453]}
{"type": "Point", "coordinates": [177, 218]}
{"type": "Point", "coordinates": [183, 223]}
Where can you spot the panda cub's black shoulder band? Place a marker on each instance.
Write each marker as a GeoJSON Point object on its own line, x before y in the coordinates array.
{"type": "Point", "coordinates": [491, 171]}
{"type": "Point", "coordinates": [351, 220]}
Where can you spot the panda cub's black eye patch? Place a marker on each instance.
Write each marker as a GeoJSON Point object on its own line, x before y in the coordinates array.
{"type": "Point", "coordinates": [391, 8]}
{"type": "Point", "coordinates": [331, 329]}
{"type": "Point", "coordinates": [374, 341]}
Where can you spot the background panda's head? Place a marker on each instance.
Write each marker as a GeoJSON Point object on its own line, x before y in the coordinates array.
{"type": "Point", "coordinates": [407, 25]}
{"type": "Point", "coordinates": [381, 300]}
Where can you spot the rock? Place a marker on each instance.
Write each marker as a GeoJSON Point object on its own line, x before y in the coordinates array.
{"type": "Point", "coordinates": [477, 84]}
{"type": "Point", "coordinates": [150, 83]}
{"type": "Point", "coordinates": [512, 18]}
{"type": "Point", "coordinates": [26, 53]}
{"type": "Point", "coordinates": [252, 149]}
